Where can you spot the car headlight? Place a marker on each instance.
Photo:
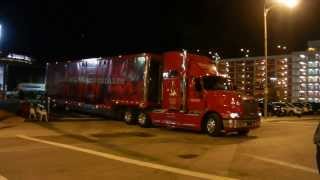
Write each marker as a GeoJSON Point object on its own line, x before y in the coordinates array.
{"type": "Point", "coordinates": [234, 115]}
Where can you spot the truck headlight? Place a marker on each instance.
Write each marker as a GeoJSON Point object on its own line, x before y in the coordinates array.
{"type": "Point", "coordinates": [234, 115]}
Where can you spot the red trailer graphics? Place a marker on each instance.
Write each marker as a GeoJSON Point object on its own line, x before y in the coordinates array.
{"type": "Point", "coordinates": [177, 90]}
{"type": "Point", "coordinates": [102, 81]}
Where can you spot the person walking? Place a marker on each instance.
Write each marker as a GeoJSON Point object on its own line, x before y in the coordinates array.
{"type": "Point", "coordinates": [316, 140]}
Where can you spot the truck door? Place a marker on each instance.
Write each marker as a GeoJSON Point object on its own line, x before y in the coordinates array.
{"type": "Point", "coordinates": [195, 100]}
{"type": "Point", "coordinates": [171, 94]}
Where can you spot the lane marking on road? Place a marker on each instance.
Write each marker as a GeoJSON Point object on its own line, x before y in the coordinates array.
{"type": "Point", "coordinates": [282, 163]}
{"type": "Point", "coordinates": [293, 121]}
{"type": "Point", "coordinates": [311, 124]}
{"type": "Point", "coordinates": [2, 178]}
{"type": "Point", "coordinates": [130, 161]}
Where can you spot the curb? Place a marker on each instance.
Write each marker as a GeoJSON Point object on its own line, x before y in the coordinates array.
{"type": "Point", "coordinates": [315, 118]}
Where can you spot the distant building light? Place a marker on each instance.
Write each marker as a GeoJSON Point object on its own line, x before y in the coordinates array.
{"type": "Point", "coordinates": [311, 49]}
{"type": "Point", "coordinates": [302, 56]}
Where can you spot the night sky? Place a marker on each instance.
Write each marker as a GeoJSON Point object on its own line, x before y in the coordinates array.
{"type": "Point", "coordinates": [65, 29]}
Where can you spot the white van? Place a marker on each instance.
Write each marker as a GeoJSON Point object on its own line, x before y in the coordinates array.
{"type": "Point", "coordinates": [27, 90]}
{"type": "Point", "coordinates": [31, 87]}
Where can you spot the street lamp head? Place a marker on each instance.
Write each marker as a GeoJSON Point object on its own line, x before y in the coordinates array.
{"type": "Point", "coordinates": [288, 3]}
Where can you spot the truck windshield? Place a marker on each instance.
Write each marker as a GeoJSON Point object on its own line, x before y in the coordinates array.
{"type": "Point", "coordinates": [216, 83]}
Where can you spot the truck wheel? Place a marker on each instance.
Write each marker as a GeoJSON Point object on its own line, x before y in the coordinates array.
{"type": "Point", "coordinates": [143, 120]}
{"type": "Point", "coordinates": [213, 125]}
{"type": "Point", "coordinates": [244, 132]}
{"type": "Point", "coordinates": [128, 117]}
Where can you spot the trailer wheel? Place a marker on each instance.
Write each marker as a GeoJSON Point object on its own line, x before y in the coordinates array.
{"type": "Point", "coordinates": [143, 120]}
{"type": "Point", "coordinates": [128, 117]}
{"type": "Point", "coordinates": [213, 125]}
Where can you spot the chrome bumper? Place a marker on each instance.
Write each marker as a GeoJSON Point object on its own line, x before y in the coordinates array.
{"type": "Point", "coordinates": [241, 124]}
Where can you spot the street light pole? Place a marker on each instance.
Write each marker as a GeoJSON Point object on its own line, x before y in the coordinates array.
{"type": "Point", "coordinates": [274, 3]}
{"type": "Point", "coordinates": [266, 11]}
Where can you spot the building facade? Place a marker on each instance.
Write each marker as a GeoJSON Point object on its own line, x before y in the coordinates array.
{"type": "Point", "coordinates": [248, 75]}
{"type": "Point", "coordinates": [306, 76]}
{"type": "Point", "coordinates": [293, 77]}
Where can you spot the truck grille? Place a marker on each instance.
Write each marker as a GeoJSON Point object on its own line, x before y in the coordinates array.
{"type": "Point", "coordinates": [250, 108]}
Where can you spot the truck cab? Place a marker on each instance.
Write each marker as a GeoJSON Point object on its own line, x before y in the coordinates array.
{"type": "Point", "coordinates": [197, 97]}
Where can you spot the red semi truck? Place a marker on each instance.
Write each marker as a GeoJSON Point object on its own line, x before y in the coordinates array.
{"type": "Point", "coordinates": [176, 90]}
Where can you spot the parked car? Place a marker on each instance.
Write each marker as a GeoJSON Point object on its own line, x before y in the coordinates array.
{"type": "Point", "coordinates": [271, 109]}
{"type": "Point", "coordinates": [30, 90]}
{"type": "Point", "coordinates": [274, 108]}
{"type": "Point", "coordinates": [306, 107]}
{"type": "Point", "coordinates": [12, 94]}
{"type": "Point", "coordinates": [291, 110]}
{"type": "Point", "coordinates": [277, 109]}
{"type": "Point", "coordinates": [315, 107]}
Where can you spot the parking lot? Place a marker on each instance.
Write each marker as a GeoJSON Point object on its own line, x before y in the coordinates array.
{"type": "Point", "coordinates": [86, 147]}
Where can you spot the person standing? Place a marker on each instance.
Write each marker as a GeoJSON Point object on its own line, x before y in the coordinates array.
{"type": "Point", "coordinates": [316, 139]}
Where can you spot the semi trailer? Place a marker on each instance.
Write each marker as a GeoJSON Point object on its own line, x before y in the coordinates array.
{"type": "Point", "coordinates": [175, 89]}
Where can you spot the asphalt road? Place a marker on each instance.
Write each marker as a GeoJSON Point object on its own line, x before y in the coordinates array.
{"type": "Point", "coordinates": [105, 149]}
